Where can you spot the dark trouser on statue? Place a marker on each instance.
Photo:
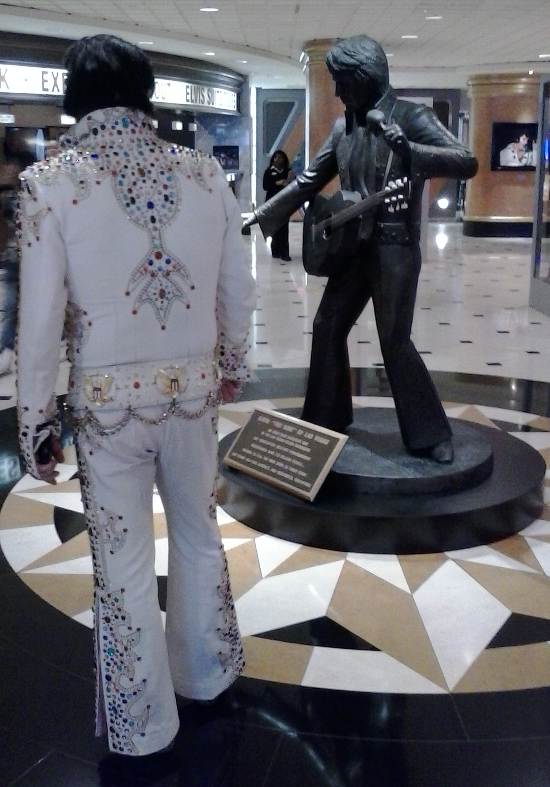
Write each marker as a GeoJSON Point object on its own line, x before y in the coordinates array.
{"type": "Point", "coordinates": [389, 275]}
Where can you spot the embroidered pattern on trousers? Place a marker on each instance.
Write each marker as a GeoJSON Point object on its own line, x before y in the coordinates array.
{"type": "Point", "coordinates": [232, 656]}
{"type": "Point", "coordinates": [116, 639]}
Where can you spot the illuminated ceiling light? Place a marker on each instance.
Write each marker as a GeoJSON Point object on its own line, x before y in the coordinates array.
{"type": "Point", "coordinates": [209, 10]}
{"type": "Point", "coordinates": [443, 203]}
{"type": "Point", "coordinates": [548, 55]}
{"type": "Point", "coordinates": [531, 72]}
{"type": "Point", "coordinates": [433, 18]}
{"type": "Point", "coordinates": [146, 43]}
{"type": "Point", "coordinates": [209, 54]}
{"type": "Point", "coordinates": [243, 61]}
{"type": "Point", "coordinates": [389, 54]}
{"type": "Point", "coordinates": [67, 120]}
{"type": "Point", "coordinates": [411, 37]}
{"type": "Point", "coordinates": [302, 55]}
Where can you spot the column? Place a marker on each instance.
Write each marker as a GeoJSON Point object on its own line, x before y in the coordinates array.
{"type": "Point", "coordinates": [499, 203]}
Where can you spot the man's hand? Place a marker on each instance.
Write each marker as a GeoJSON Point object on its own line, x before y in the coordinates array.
{"type": "Point", "coordinates": [396, 139]}
{"type": "Point", "coordinates": [229, 390]}
{"type": "Point", "coordinates": [47, 472]}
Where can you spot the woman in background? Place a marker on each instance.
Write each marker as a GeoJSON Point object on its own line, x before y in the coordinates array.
{"type": "Point", "coordinates": [276, 177]}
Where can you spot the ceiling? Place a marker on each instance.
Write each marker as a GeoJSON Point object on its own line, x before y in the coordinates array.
{"type": "Point", "coordinates": [472, 35]}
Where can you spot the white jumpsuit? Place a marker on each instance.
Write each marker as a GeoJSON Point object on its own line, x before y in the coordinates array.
{"type": "Point", "coordinates": [135, 245]}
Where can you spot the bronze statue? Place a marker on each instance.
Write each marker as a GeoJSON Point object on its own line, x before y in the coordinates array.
{"type": "Point", "coordinates": [380, 139]}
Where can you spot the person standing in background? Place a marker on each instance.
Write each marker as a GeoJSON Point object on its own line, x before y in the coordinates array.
{"type": "Point", "coordinates": [9, 268]}
{"type": "Point", "coordinates": [276, 177]}
{"type": "Point", "coordinates": [139, 241]}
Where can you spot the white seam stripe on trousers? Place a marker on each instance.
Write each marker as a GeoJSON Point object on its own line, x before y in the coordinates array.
{"type": "Point", "coordinates": [138, 667]}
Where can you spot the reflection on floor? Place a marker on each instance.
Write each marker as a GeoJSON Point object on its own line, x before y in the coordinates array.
{"type": "Point", "coordinates": [361, 669]}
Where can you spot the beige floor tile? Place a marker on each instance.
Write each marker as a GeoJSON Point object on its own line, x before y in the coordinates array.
{"type": "Point", "coordinates": [307, 557]}
{"type": "Point", "coordinates": [475, 416]}
{"type": "Point", "coordinates": [159, 525]}
{"type": "Point", "coordinates": [244, 569]}
{"type": "Point", "coordinates": [282, 662]}
{"type": "Point", "coordinates": [518, 549]}
{"type": "Point", "coordinates": [79, 546]}
{"type": "Point", "coordinates": [541, 422]}
{"type": "Point", "coordinates": [528, 594]}
{"type": "Point", "coordinates": [69, 593]}
{"type": "Point", "coordinates": [237, 530]}
{"type": "Point", "coordinates": [20, 512]}
{"type": "Point", "coordinates": [419, 568]}
{"type": "Point", "coordinates": [386, 617]}
{"type": "Point", "coordinates": [509, 669]}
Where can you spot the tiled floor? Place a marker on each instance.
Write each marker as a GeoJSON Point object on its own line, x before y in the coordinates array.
{"type": "Point", "coordinates": [361, 669]}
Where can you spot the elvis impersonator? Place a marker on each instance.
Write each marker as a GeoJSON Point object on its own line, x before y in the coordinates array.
{"type": "Point", "coordinates": [134, 245]}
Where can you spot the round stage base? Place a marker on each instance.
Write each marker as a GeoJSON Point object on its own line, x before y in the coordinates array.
{"type": "Point", "coordinates": [375, 460]}
{"type": "Point", "coordinates": [505, 494]}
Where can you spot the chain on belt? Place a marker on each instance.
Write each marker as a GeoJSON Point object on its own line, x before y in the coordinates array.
{"type": "Point", "coordinates": [92, 422]}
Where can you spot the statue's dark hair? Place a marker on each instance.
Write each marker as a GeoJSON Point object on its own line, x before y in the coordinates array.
{"type": "Point", "coordinates": [106, 71]}
{"type": "Point", "coordinates": [363, 56]}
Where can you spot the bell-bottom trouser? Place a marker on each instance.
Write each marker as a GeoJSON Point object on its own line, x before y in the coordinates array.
{"type": "Point", "coordinates": [389, 275]}
{"type": "Point", "coordinates": [138, 666]}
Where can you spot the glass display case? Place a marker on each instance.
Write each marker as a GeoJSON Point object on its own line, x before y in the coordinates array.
{"type": "Point", "coordinates": [539, 296]}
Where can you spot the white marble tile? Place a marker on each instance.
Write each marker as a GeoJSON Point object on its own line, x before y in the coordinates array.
{"type": "Point", "coordinates": [289, 598]}
{"type": "Point", "coordinates": [541, 550]}
{"type": "Point", "coordinates": [161, 557]}
{"type": "Point", "coordinates": [386, 567]}
{"type": "Point", "coordinates": [460, 616]}
{"type": "Point", "coordinates": [86, 618]}
{"type": "Point", "coordinates": [233, 543]}
{"type": "Point", "coordinates": [537, 440]}
{"type": "Point", "coordinates": [223, 517]}
{"type": "Point", "coordinates": [69, 500]}
{"type": "Point", "coordinates": [489, 557]}
{"type": "Point", "coordinates": [363, 670]}
{"type": "Point", "coordinates": [540, 527]}
{"type": "Point", "coordinates": [272, 552]}
{"type": "Point", "coordinates": [23, 545]}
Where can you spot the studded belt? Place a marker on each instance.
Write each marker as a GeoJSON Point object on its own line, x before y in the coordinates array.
{"type": "Point", "coordinates": [142, 384]}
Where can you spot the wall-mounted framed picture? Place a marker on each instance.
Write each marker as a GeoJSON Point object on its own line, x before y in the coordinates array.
{"type": "Point", "coordinates": [514, 146]}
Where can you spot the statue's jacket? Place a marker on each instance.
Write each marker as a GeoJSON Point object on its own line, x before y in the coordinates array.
{"type": "Point", "coordinates": [131, 248]}
{"type": "Point", "coordinates": [435, 152]}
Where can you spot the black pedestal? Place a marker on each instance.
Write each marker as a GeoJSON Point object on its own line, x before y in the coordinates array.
{"type": "Point", "coordinates": [344, 518]}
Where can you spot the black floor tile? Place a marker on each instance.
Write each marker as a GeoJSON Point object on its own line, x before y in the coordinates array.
{"type": "Point", "coordinates": [37, 627]}
{"type": "Point", "coordinates": [216, 752]}
{"type": "Point", "coordinates": [511, 714]}
{"type": "Point", "coordinates": [48, 705]}
{"type": "Point", "coordinates": [58, 770]}
{"type": "Point", "coordinates": [302, 709]}
{"type": "Point", "coordinates": [307, 761]}
{"type": "Point", "coordinates": [18, 754]}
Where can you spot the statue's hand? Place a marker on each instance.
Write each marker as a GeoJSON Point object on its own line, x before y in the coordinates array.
{"type": "Point", "coordinates": [396, 139]}
{"type": "Point", "coordinates": [247, 223]}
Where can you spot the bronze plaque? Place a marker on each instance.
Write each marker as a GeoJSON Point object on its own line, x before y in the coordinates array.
{"type": "Point", "coordinates": [285, 452]}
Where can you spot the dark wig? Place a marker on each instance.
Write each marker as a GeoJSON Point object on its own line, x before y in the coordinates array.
{"type": "Point", "coordinates": [362, 56]}
{"type": "Point", "coordinates": [106, 71]}
{"type": "Point", "coordinates": [282, 153]}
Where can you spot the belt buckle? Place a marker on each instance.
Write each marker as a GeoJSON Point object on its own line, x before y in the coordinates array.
{"type": "Point", "coordinates": [97, 388]}
{"type": "Point", "coordinates": [171, 381]}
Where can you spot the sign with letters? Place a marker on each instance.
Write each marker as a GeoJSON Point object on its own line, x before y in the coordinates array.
{"type": "Point", "coordinates": [283, 451]}
{"type": "Point", "coordinates": [37, 81]}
